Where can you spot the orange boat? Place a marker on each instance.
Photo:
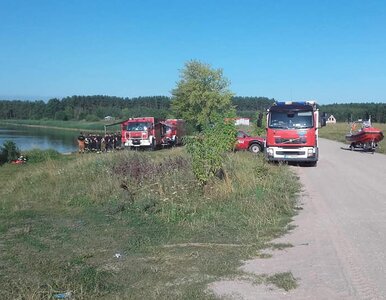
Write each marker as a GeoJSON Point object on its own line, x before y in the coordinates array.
{"type": "Point", "coordinates": [365, 137]}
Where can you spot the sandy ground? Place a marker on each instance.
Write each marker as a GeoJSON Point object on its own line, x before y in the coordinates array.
{"type": "Point", "coordinates": [340, 240]}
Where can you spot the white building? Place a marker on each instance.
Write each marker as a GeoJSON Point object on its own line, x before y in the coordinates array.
{"type": "Point", "coordinates": [242, 121]}
{"type": "Point", "coordinates": [331, 120]}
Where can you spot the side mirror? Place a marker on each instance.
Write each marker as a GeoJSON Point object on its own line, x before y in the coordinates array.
{"type": "Point", "coordinates": [260, 120]}
{"type": "Point", "coordinates": [323, 120]}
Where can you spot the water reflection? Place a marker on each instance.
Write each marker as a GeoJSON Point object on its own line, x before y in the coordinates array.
{"type": "Point", "coordinates": [27, 138]}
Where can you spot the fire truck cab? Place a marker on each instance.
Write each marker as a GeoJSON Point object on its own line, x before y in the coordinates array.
{"type": "Point", "coordinates": [141, 132]}
{"type": "Point", "coordinates": [173, 132]}
{"type": "Point", "coordinates": [292, 132]}
{"type": "Point", "coordinates": [153, 133]}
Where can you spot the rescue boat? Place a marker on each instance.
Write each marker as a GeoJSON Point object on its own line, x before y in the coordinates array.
{"type": "Point", "coordinates": [365, 137]}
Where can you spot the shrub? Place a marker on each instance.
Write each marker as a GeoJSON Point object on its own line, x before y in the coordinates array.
{"type": "Point", "coordinates": [37, 155]}
{"type": "Point", "coordinates": [208, 148]}
{"type": "Point", "coordinates": [8, 152]}
{"type": "Point", "coordinates": [92, 118]}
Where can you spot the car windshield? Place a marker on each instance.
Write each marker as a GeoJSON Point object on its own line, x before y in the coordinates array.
{"type": "Point", "coordinates": [296, 119]}
{"type": "Point", "coordinates": [138, 126]}
{"type": "Point", "coordinates": [242, 134]}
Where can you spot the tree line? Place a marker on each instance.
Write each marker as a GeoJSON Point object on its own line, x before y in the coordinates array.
{"type": "Point", "coordinates": [93, 108]}
{"type": "Point", "coordinates": [347, 112]}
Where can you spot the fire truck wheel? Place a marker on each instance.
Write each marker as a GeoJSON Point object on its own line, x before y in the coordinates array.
{"type": "Point", "coordinates": [255, 148]}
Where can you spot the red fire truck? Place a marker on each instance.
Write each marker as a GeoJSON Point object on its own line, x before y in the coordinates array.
{"type": "Point", "coordinates": [173, 131]}
{"type": "Point", "coordinates": [292, 132]}
{"type": "Point", "coordinates": [152, 132]}
{"type": "Point", "coordinates": [142, 132]}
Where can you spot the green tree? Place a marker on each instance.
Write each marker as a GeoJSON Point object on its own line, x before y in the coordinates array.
{"type": "Point", "coordinates": [201, 94]}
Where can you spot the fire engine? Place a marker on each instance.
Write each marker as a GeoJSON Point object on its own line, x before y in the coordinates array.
{"type": "Point", "coordinates": [151, 132]}
{"type": "Point", "coordinates": [292, 132]}
{"type": "Point", "coordinates": [172, 132]}
{"type": "Point", "coordinates": [141, 132]}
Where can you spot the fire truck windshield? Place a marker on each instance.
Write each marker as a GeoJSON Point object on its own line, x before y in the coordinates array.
{"type": "Point", "coordinates": [291, 119]}
{"type": "Point", "coordinates": [138, 126]}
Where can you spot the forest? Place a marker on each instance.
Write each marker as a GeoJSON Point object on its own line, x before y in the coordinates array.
{"type": "Point", "coordinates": [94, 108]}
{"type": "Point", "coordinates": [347, 112]}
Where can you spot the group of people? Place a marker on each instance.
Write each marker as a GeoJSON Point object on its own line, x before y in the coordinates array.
{"type": "Point", "coordinates": [99, 143]}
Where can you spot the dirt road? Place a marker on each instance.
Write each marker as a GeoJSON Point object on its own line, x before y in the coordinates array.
{"type": "Point", "coordinates": [340, 241]}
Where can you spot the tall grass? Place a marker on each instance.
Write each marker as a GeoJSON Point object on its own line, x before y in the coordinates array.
{"type": "Point", "coordinates": [63, 222]}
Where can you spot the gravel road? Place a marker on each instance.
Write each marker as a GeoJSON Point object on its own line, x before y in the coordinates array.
{"type": "Point", "coordinates": [339, 244]}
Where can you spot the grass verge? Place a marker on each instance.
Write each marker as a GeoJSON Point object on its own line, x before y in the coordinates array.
{"type": "Point", "coordinates": [135, 225]}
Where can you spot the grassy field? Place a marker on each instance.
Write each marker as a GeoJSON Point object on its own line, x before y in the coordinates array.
{"type": "Point", "coordinates": [67, 125]}
{"type": "Point", "coordinates": [338, 131]}
{"type": "Point", "coordinates": [136, 225]}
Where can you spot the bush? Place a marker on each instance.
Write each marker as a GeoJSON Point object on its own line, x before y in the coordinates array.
{"type": "Point", "coordinates": [37, 155]}
{"type": "Point", "coordinates": [208, 148]}
{"type": "Point", "coordinates": [8, 152]}
{"type": "Point", "coordinates": [92, 118]}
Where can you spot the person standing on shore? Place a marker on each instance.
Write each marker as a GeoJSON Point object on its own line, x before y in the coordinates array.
{"type": "Point", "coordinates": [81, 139]}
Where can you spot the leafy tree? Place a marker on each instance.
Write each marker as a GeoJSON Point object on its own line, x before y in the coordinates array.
{"type": "Point", "coordinates": [201, 94]}
{"type": "Point", "coordinates": [53, 107]}
{"type": "Point", "coordinates": [8, 152]}
{"type": "Point", "coordinates": [61, 115]}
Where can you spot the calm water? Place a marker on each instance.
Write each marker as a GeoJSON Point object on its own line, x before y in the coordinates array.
{"type": "Point", "coordinates": [27, 138]}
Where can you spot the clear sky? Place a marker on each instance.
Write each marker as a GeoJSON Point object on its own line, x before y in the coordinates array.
{"type": "Point", "coordinates": [331, 51]}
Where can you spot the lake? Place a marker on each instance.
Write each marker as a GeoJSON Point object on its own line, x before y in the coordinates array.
{"type": "Point", "coordinates": [27, 138]}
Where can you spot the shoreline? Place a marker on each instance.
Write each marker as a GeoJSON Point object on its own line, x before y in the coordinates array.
{"type": "Point", "coordinates": [51, 127]}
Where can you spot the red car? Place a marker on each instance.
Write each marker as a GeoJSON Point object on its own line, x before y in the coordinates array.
{"type": "Point", "coordinates": [254, 144]}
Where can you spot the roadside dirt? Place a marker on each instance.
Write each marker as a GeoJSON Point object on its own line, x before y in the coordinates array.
{"type": "Point", "coordinates": [340, 236]}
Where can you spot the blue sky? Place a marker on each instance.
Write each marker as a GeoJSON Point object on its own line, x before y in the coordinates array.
{"type": "Point", "coordinates": [331, 51]}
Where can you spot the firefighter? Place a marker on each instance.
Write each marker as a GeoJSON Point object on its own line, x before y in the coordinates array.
{"type": "Point", "coordinates": [111, 141]}
{"type": "Point", "coordinates": [98, 140]}
{"type": "Point", "coordinates": [108, 143]}
{"type": "Point", "coordinates": [115, 139]}
{"type": "Point", "coordinates": [81, 139]}
{"type": "Point", "coordinates": [88, 141]}
{"type": "Point", "coordinates": [119, 140]}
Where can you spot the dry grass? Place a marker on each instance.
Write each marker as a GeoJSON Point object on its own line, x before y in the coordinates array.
{"type": "Point", "coordinates": [63, 221]}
